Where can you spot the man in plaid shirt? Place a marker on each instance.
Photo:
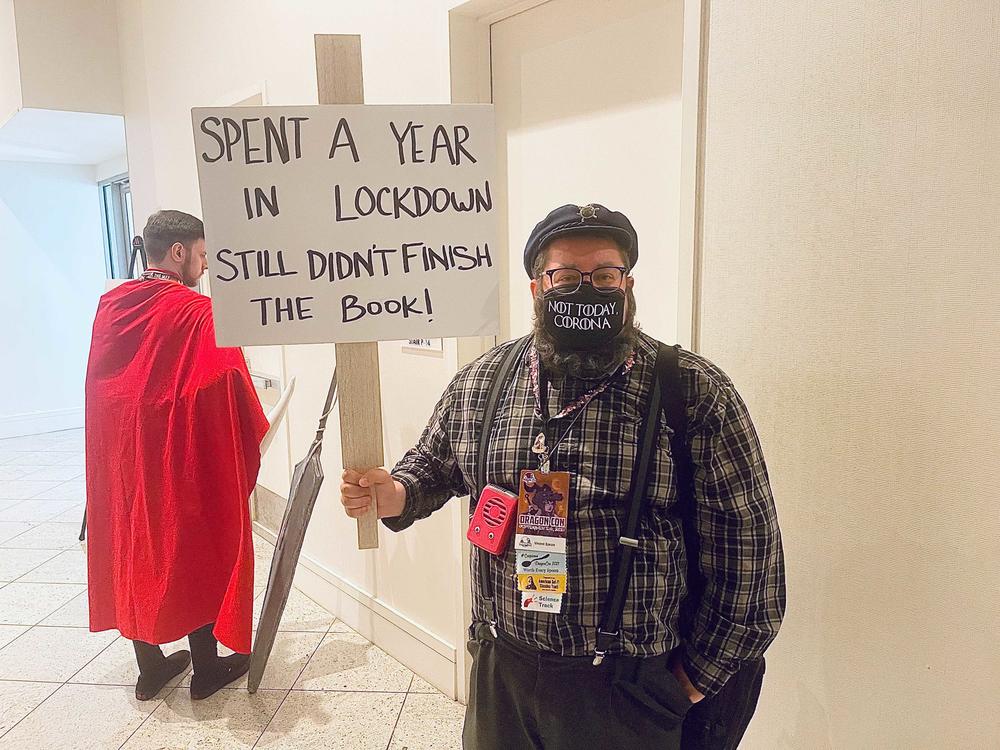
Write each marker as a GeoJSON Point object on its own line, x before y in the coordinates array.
{"type": "Point", "coordinates": [582, 385]}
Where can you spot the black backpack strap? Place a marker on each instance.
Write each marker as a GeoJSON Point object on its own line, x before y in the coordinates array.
{"type": "Point", "coordinates": [628, 542]}
{"type": "Point", "coordinates": [501, 378]}
{"type": "Point", "coordinates": [675, 411]}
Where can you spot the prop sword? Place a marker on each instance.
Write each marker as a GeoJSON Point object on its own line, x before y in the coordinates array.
{"type": "Point", "coordinates": [306, 481]}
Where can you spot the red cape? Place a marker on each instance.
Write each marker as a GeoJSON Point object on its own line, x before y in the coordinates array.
{"type": "Point", "coordinates": [173, 449]}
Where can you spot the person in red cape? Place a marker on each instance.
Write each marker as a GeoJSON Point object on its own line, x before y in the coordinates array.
{"type": "Point", "coordinates": [173, 431]}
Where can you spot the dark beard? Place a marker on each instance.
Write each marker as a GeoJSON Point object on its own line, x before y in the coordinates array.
{"type": "Point", "coordinates": [588, 364]}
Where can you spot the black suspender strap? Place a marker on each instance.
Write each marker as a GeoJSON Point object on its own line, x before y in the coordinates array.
{"type": "Point", "coordinates": [628, 542]}
{"type": "Point", "coordinates": [511, 357]}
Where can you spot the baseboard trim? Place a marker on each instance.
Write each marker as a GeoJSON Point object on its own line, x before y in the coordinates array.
{"type": "Point", "coordinates": [423, 652]}
{"type": "Point", "coordinates": [37, 422]}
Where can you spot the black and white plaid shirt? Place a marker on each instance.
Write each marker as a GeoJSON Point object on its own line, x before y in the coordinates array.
{"type": "Point", "coordinates": [738, 528]}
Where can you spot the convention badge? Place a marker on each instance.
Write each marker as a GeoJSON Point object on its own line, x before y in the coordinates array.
{"type": "Point", "coordinates": [543, 511]}
{"type": "Point", "coordinates": [555, 544]}
{"type": "Point", "coordinates": [542, 583]}
{"type": "Point", "coordinates": [532, 602]}
{"type": "Point", "coordinates": [540, 562]}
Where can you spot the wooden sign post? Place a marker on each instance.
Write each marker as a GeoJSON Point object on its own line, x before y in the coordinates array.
{"type": "Point", "coordinates": [340, 81]}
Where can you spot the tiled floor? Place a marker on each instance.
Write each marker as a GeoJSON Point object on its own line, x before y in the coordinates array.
{"type": "Point", "coordinates": [64, 687]}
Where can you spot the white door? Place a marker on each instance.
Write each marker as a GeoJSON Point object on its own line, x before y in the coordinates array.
{"type": "Point", "coordinates": [588, 105]}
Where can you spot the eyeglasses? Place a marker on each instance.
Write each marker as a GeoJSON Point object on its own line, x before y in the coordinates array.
{"type": "Point", "coordinates": [605, 279]}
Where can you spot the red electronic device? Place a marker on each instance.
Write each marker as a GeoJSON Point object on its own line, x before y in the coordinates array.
{"type": "Point", "coordinates": [493, 520]}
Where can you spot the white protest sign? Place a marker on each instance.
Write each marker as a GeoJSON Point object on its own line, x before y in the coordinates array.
{"type": "Point", "coordinates": [349, 223]}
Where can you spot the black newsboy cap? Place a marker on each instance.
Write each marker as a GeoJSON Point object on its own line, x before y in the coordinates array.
{"type": "Point", "coordinates": [570, 219]}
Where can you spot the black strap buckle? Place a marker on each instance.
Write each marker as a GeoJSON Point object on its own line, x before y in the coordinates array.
{"type": "Point", "coordinates": [492, 622]}
{"type": "Point", "coordinates": [604, 640]}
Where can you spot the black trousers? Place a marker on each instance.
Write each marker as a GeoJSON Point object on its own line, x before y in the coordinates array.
{"type": "Point", "coordinates": [204, 652]}
{"type": "Point", "coordinates": [720, 721]}
{"type": "Point", "coordinates": [522, 699]}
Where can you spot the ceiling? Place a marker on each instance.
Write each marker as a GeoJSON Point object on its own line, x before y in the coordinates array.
{"type": "Point", "coordinates": [64, 137]}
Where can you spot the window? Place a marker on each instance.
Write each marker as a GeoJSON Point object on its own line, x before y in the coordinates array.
{"type": "Point", "coordinates": [119, 229]}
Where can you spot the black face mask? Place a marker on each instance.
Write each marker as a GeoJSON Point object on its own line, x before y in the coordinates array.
{"type": "Point", "coordinates": [585, 319]}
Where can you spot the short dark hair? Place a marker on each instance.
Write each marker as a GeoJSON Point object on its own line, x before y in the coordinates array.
{"type": "Point", "coordinates": [164, 228]}
{"type": "Point", "coordinates": [542, 259]}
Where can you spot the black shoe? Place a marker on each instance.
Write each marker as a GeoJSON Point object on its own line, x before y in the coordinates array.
{"type": "Point", "coordinates": [228, 670]}
{"type": "Point", "coordinates": [149, 685]}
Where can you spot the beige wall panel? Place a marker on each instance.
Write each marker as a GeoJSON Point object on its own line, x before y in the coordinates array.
{"type": "Point", "coordinates": [852, 216]}
{"type": "Point", "coordinates": [68, 55]}
{"type": "Point", "coordinates": [10, 71]}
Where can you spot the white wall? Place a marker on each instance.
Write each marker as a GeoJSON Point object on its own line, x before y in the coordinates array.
{"type": "Point", "coordinates": [235, 47]}
{"type": "Point", "coordinates": [68, 51]}
{"type": "Point", "coordinates": [851, 274]}
{"type": "Point", "coordinates": [52, 253]}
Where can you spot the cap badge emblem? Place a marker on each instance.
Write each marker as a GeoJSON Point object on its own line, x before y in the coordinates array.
{"type": "Point", "coordinates": [588, 212]}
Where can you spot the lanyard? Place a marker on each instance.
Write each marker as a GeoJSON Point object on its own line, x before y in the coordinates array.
{"type": "Point", "coordinates": [160, 274]}
{"type": "Point", "coordinates": [543, 446]}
